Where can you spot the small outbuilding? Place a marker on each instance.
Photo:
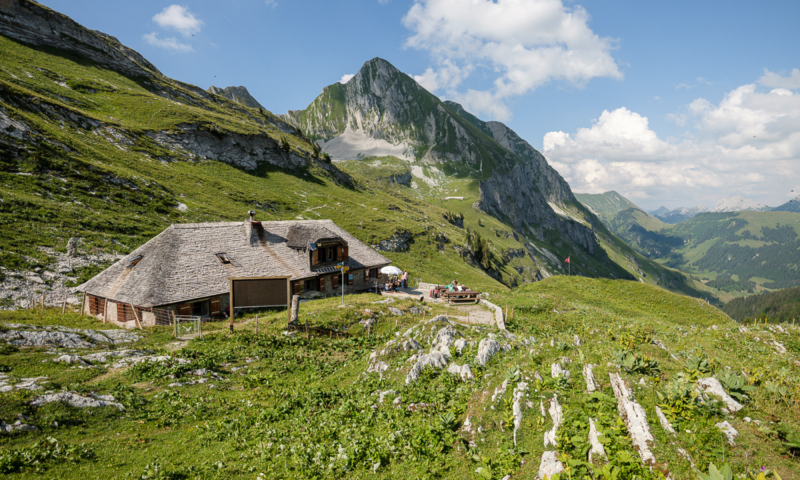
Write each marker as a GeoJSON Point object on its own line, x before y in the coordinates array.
{"type": "Point", "coordinates": [210, 269]}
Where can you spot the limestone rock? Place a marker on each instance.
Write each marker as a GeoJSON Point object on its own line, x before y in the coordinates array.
{"type": "Point", "coordinates": [597, 447]}
{"type": "Point", "coordinates": [711, 385]}
{"type": "Point", "coordinates": [635, 419]}
{"type": "Point", "coordinates": [662, 419]}
{"type": "Point", "coordinates": [518, 394]}
{"type": "Point", "coordinates": [728, 430]}
{"type": "Point", "coordinates": [549, 465]}
{"type": "Point", "coordinates": [461, 370]}
{"type": "Point", "coordinates": [434, 359]}
{"type": "Point", "coordinates": [557, 414]}
{"type": "Point", "coordinates": [72, 247]}
{"type": "Point", "coordinates": [78, 401]}
{"type": "Point", "coordinates": [556, 371]}
{"type": "Point", "coordinates": [487, 349]}
{"type": "Point", "coordinates": [588, 375]}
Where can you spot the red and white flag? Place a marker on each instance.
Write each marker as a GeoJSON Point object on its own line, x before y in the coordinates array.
{"type": "Point", "coordinates": [567, 260]}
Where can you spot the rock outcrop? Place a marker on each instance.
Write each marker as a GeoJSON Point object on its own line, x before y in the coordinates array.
{"type": "Point", "coordinates": [36, 24]}
{"type": "Point", "coordinates": [239, 95]}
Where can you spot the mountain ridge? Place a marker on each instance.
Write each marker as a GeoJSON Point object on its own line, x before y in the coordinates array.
{"type": "Point", "coordinates": [238, 94]}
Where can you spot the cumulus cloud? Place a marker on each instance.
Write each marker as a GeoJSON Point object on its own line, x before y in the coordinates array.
{"type": "Point", "coordinates": [772, 79]}
{"type": "Point", "coordinates": [523, 43]}
{"type": "Point", "coordinates": [346, 77]}
{"type": "Point", "coordinates": [747, 144]}
{"type": "Point", "coordinates": [170, 43]}
{"type": "Point", "coordinates": [178, 18]}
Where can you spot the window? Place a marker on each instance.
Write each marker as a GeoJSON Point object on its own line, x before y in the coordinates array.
{"type": "Point", "coordinates": [331, 251]}
{"type": "Point", "coordinates": [335, 280]}
{"type": "Point", "coordinates": [366, 275]}
{"type": "Point", "coordinates": [223, 257]}
{"type": "Point", "coordinates": [135, 260]}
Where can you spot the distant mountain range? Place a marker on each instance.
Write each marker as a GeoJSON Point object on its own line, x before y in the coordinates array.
{"type": "Point", "coordinates": [792, 205]}
{"type": "Point", "coordinates": [732, 204]}
{"type": "Point", "coordinates": [740, 246]}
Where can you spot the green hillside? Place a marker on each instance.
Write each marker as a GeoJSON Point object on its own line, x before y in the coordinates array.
{"type": "Point", "coordinates": [775, 307]}
{"type": "Point", "coordinates": [606, 205]}
{"type": "Point", "coordinates": [272, 406]}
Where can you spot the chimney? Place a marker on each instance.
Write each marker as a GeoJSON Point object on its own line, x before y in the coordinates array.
{"type": "Point", "coordinates": [254, 231]}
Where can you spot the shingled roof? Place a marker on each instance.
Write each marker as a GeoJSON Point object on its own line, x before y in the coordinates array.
{"type": "Point", "coordinates": [300, 235]}
{"type": "Point", "coordinates": [181, 263]}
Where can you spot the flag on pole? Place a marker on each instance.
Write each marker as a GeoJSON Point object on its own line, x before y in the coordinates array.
{"type": "Point", "coordinates": [567, 260]}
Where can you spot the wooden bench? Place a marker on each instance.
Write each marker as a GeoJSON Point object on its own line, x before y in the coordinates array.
{"type": "Point", "coordinates": [461, 297]}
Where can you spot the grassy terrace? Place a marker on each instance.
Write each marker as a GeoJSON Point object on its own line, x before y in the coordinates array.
{"type": "Point", "coordinates": [303, 408]}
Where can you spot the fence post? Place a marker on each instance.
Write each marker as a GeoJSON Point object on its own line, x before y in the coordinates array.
{"type": "Point", "coordinates": [174, 326]}
{"type": "Point", "coordinates": [256, 325]}
{"type": "Point", "coordinates": [64, 306]}
{"type": "Point", "coordinates": [200, 326]}
{"type": "Point", "coordinates": [135, 316]}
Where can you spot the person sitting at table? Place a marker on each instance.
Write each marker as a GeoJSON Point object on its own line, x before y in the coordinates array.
{"type": "Point", "coordinates": [459, 288]}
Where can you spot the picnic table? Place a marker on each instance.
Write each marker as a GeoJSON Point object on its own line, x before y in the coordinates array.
{"type": "Point", "coordinates": [461, 297]}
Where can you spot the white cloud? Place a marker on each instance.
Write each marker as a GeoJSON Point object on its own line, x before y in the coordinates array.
{"type": "Point", "coordinates": [447, 76]}
{"type": "Point", "coordinates": [271, 3]}
{"type": "Point", "coordinates": [346, 77]}
{"type": "Point", "coordinates": [704, 81]}
{"type": "Point", "coordinates": [384, 2]}
{"type": "Point", "coordinates": [170, 43]}
{"type": "Point", "coordinates": [748, 144]}
{"type": "Point", "coordinates": [524, 43]}
{"type": "Point", "coordinates": [772, 79]}
{"type": "Point", "coordinates": [683, 86]}
{"type": "Point", "coordinates": [179, 18]}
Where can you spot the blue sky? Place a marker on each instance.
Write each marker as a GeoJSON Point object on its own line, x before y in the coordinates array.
{"type": "Point", "coordinates": [675, 103]}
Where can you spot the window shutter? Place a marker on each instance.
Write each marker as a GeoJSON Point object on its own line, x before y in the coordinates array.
{"type": "Point", "coordinates": [335, 280]}
{"type": "Point", "coordinates": [185, 309]}
{"type": "Point", "coordinates": [339, 254]}
{"type": "Point", "coordinates": [350, 279]}
{"type": "Point", "coordinates": [321, 284]}
{"type": "Point", "coordinates": [314, 257]}
{"type": "Point", "coordinates": [216, 307]}
{"type": "Point", "coordinates": [345, 254]}
{"type": "Point", "coordinates": [298, 287]}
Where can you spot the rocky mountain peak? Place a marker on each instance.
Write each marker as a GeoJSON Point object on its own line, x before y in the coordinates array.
{"type": "Point", "coordinates": [738, 203]}
{"type": "Point", "coordinates": [238, 94]}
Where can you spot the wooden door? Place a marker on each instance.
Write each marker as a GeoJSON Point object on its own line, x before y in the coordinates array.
{"type": "Point", "coordinates": [314, 257]}
{"type": "Point", "coordinates": [215, 305]}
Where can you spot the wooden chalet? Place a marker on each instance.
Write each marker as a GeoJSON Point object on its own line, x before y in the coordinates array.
{"type": "Point", "coordinates": [200, 268]}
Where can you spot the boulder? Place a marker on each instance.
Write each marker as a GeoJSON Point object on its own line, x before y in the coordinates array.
{"type": "Point", "coordinates": [487, 349]}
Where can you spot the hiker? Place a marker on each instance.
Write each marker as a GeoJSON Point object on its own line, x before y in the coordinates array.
{"type": "Point", "coordinates": [405, 279]}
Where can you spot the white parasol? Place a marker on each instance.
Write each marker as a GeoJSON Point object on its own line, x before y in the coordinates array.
{"type": "Point", "coordinates": [391, 270]}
